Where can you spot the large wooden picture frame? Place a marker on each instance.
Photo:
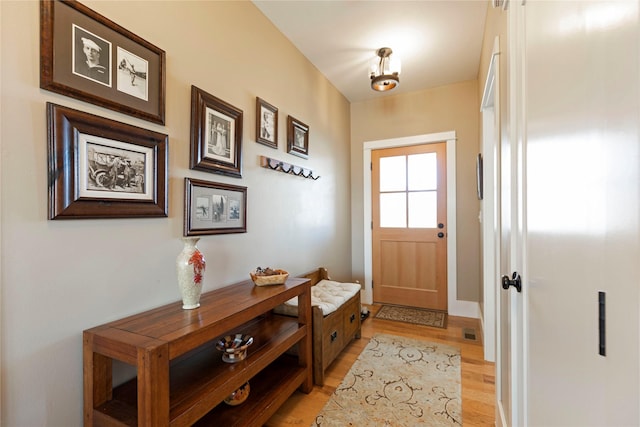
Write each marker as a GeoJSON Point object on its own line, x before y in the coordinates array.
{"type": "Point", "coordinates": [100, 168]}
{"type": "Point", "coordinates": [216, 135]}
{"type": "Point", "coordinates": [214, 208]}
{"type": "Point", "coordinates": [297, 138]}
{"type": "Point", "coordinates": [266, 123]}
{"type": "Point", "coordinates": [86, 56]}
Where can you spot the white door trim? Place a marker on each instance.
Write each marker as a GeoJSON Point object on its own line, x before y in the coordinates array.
{"type": "Point", "coordinates": [490, 108]}
{"type": "Point", "coordinates": [455, 307]}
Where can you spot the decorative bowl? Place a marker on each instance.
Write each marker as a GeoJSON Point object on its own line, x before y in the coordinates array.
{"type": "Point", "coordinates": [238, 396]}
{"type": "Point", "coordinates": [234, 347]}
{"type": "Point", "coordinates": [265, 277]}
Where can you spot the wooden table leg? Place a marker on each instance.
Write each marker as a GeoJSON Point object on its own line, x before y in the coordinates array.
{"type": "Point", "coordinates": [98, 379]}
{"type": "Point", "coordinates": [305, 356]}
{"type": "Point", "coordinates": [153, 384]}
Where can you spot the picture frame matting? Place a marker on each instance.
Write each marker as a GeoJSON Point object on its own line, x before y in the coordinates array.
{"type": "Point", "coordinates": [266, 123]}
{"type": "Point", "coordinates": [86, 56]}
{"type": "Point", "coordinates": [216, 135]}
{"type": "Point", "coordinates": [297, 138]}
{"type": "Point", "coordinates": [214, 208]}
{"type": "Point", "coordinates": [101, 168]}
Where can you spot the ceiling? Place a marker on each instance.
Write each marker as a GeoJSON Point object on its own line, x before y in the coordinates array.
{"type": "Point", "coordinates": [438, 41]}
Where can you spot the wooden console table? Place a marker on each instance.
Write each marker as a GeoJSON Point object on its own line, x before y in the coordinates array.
{"type": "Point", "coordinates": [181, 378]}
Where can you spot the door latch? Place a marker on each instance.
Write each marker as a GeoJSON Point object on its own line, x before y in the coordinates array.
{"type": "Point", "coordinates": [515, 281]}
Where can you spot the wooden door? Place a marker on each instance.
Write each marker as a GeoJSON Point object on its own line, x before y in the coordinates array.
{"type": "Point", "coordinates": [409, 245]}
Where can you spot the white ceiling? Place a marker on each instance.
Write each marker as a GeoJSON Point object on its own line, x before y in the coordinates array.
{"type": "Point", "coordinates": [438, 41]}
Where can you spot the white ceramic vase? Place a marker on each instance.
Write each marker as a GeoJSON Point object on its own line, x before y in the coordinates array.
{"type": "Point", "coordinates": [190, 266]}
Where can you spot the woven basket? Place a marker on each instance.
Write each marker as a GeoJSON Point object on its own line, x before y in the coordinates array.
{"type": "Point", "coordinates": [274, 279]}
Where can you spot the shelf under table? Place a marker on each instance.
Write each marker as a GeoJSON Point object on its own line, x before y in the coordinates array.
{"type": "Point", "coordinates": [200, 379]}
{"type": "Point", "coordinates": [180, 373]}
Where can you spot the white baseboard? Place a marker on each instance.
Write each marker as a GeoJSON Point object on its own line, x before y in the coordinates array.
{"type": "Point", "coordinates": [464, 309]}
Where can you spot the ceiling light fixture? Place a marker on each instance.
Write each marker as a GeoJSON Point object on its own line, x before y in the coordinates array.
{"type": "Point", "coordinates": [384, 70]}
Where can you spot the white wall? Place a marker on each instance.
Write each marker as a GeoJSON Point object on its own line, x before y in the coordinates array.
{"type": "Point", "coordinates": [61, 277]}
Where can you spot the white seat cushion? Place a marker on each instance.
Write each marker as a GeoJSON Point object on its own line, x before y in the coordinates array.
{"type": "Point", "coordinates": [326, 294]}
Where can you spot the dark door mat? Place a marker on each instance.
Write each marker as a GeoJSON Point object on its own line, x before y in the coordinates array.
{"type": "Point", "coordinates": [418, 316]}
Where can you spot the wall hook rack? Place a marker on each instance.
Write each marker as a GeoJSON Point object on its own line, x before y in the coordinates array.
{"type": "Point", "coordinates": [279, 165]}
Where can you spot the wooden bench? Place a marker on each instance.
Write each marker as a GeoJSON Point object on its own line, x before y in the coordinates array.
{"type": "Point", "coordinates": [331, 332]}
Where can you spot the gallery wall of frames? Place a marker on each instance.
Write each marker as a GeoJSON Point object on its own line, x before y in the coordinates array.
{"type": "Point", "coordinates": [102, 168]}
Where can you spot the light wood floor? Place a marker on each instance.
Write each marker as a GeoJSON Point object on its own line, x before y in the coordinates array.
{"type": "Point", "coordinates": [478, 376]}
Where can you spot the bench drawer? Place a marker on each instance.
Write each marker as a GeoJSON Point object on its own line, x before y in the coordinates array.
{"type": "Point", "coordinates": [332, 339]}
{"type": "Point", "coordinates": [351, 319]}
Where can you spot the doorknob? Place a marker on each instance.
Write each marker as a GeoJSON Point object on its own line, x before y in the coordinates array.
{"type": "Point", "coordinates": [515, 281]}
{"type": "Point", "coordinates": [440, 225]}
{"type": "Point", "coordinates": [441, 234]}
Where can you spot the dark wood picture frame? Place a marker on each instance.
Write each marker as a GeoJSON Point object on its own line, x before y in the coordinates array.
{"type": "Point", "coordinates": [130, 73]}
{"type": "Point", "coordinates": [214, 208]}
{"type": "Point", "coordinates": [100, 168]}
{"type": "Point", "coordinates": [266, 123]}
{"type": "Point", "coordinates": [216, 135]}
{"type": "Point", "coordinates": [297, 138]}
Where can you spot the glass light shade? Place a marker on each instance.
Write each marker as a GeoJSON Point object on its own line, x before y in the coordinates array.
{"type": "Point", "coordinates": [394, 65]}
{"type": "Point", "coordinates": [384, 70]}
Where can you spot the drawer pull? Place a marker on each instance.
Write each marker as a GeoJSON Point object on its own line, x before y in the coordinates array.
{"type": "Point", "coordinates": [334, 335]}
{"type": "Point", "coordinates": [352, 318]}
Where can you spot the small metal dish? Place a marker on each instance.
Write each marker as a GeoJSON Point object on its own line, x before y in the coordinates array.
{"type": "Point", "coordinates": [234, 347]}
{"type": "Point", "coordinates": [238, 396]}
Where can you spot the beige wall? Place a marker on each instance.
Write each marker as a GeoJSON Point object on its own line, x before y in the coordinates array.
{"type": "Point", "coordinates": [447, 108]}
{"type": "Point", "coordinates": [60, 277]}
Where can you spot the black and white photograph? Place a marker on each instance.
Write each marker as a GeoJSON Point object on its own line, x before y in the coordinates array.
{"type": "Point", "coordinates": [266, 123]}
{"type": "Point", "coordinates": [112, 169]}
{"type": "Point", "coordinates": [297, 138]}
{"type": "Point", "coordinates": [87, 56]}
{"type": "Point", "coordinates": [91, 56]}
{"type": "Point", "coordinates": [234, 210]}
{"type": "Point", "coordinates": [219, 133]}
{"type": "Point", "coordinates": [203, 208]}
{"type": "Point", "coordinates": [220, 208]}
{"type": "Point", "coordinates": [132, 74]}
{"type": "Point", "coordinates": [101, 168]}
{"type": "Point", "coordinates": [216, 135]}
{"type": "Point", "coordinates": [214, 208]}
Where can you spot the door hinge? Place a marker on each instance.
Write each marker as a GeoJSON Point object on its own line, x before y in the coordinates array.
{"type": "Point", "coordinates": [371, 166]}
{"type": "Point", "coordinates": [372, 225]}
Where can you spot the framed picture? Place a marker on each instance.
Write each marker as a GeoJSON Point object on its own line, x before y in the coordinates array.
{"type": "Point", "coordinates": [100, 168]}
{"type": "Point", "coordinates": [479, 177]}
{"type": "Point", "coordinates": [297, 138]}
{"type": "Point", "coordinates": [214, 208]}
{"type": "Point", "coordinates": [86, 56]}
{"type": "Point", "coordinates": [266, 123]}
{"type": "Point", "coordinates": [216, 135]}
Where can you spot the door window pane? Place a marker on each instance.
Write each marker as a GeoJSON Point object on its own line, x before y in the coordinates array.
{"type": "Point", "coordinates": [393, 210]}
{"type": "Point", "coordinates": [423, 172]}
{"type": "Point", "coordinates": [393, 173]}
{"type": "Point", "coordinates": [423, 209]}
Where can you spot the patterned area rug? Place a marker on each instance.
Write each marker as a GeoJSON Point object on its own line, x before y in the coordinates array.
{"type": "Point", "coordinates": [419, 316]}
{"type": "Point", "coordinates": [398, 382]}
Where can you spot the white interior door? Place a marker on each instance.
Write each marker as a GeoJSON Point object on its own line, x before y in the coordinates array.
{"type": "Point", "coordinates": [583, 203]}
{"type": "Point", "coordinates": [510, 314]}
